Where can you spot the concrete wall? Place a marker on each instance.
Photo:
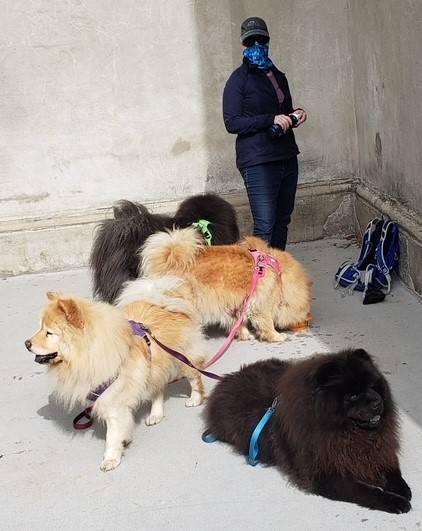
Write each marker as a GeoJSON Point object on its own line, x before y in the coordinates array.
{"type": "Point", "coordinates": [101, 100]}
{"type": "Point", "coordinates": [386, 46]}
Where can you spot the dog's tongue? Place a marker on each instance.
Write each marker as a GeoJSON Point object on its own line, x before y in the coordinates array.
{"type": "Point", "coordinates": [39, 358]}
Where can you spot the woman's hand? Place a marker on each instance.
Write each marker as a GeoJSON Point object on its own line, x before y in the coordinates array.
{"type": "Point", "coordinates": [284, 121]}
{"type": "Point", "coordinates": [301, 116]}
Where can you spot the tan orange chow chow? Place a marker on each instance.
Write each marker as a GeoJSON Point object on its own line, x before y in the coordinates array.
{"type": "Point", "coordinates": [88, 344]}
{"type": "Point", "coordinates": [215, 281]}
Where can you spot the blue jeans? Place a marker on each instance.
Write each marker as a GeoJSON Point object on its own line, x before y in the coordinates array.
{"type": "Point", "coordinates": [271, 189]}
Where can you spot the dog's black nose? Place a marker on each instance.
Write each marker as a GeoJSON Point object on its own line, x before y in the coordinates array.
{"type": "Point", "coordinates": [28, 344]}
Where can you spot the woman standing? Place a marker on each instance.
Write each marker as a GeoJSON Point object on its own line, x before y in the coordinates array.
{"type": "Point", "coordinates": [257, 106]}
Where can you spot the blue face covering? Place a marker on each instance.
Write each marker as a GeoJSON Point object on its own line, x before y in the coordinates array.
{"type": "Point", "coordinates": [258, 55]}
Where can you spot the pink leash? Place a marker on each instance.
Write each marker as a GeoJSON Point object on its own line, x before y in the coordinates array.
{"type": "Point", "coordinates": [262, 262]}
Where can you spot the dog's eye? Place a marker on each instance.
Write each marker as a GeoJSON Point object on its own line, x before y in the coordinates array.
{"type": "Point", "coordinates": [353, 398]}
{"type": "Point", "coordinates": [48, 333]}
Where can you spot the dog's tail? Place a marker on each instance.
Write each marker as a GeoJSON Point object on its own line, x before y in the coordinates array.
{"type": "Point", "coordinates": [114, 259]}
{"type": "Point", "coordinates": [158, 291]}
{"type": "Point", "coordinates": [171, 252]}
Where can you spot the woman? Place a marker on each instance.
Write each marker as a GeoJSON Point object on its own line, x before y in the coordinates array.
{"type": "Point", "coordinates": [256, 106]}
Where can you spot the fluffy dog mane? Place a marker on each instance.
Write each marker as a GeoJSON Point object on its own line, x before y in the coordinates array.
{"type": "Point", "coordinates": [95, 341]}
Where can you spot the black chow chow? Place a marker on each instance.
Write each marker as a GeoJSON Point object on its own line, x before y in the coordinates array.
{"type": "Point", "coordinates": [114, 256]}
{"type": "Point", "coordinates": [334, 431]}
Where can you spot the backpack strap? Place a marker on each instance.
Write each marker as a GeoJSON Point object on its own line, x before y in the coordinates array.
{"type": "Point", "coordinates": [370, 241]}
{"type": "Point", "coordinates": [366, 277]}
{"type": "Point", "coordinates": [387, 253]}
{"type": "Point", "coordinates": [347, 276]}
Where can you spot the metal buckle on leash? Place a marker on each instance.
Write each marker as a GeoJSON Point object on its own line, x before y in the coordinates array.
{"type": "Point", "coordinates": [147, 340]}
{"type": "Point", "coordinates": [207, 237]}
{"type": "Point", "coordinates": [202, 226]}
{"type": "Point", "coordinates": [274, 404]}
{"type": "Point", "coordinates": [139, 329]}
{"type": "Point", "coordinates": [260, 265]}
{"type": "Point", "coordinates": [261, 270]}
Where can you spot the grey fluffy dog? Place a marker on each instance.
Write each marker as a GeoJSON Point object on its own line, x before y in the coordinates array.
{"type": "Point", "coordinates": [114, 257]}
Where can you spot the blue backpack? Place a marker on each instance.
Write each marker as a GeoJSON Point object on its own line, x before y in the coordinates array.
{"type": "Point", "coordinates": [379, 256]}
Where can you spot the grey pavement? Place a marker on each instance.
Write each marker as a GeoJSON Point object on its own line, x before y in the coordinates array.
{"type": "Point", "coordinates": [169, 479]}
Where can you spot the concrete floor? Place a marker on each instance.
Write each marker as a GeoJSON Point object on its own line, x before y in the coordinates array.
{"type": "Point", "coordinates": [170, 479]}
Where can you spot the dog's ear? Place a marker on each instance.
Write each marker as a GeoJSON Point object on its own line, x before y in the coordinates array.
{"type": "Point", "coordinates": [327, 375]}
{"type": "Point", "coordinates": [53, 295]}
{"type": "Point", "coordinates": [361, 354]}
{"type": "Point", "coordinates": [71, 311]}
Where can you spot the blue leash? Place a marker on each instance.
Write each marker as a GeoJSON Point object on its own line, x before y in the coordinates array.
{"type": "Point", "coordinates": [208, 437]}
{"type": "Point", "coordinates": [254, 441]}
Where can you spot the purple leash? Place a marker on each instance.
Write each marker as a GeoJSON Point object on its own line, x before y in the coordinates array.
{"type": "Point", "coordinates": [86, 413]}
{"type": "Point", "coordinates": [141, 330]}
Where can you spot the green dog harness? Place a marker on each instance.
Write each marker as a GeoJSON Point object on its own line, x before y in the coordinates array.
{"type": "Point", "coordinates": [202, 226]}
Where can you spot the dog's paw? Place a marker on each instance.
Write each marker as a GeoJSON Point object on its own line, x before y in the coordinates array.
{"type": "Point", "coordinates": [395, 503]}
{"type": "Point", "coordinates": [194, 401]}
{"type": "Point", "coordinates": [406, 492]}
{"type": "Point", "coordinates": [274, 337]}
{"type": "Point", "coordinates": [244, 334]}
{"type": "Point", "coordinates": [151, 420]}
{"type": "Point", "coordinates": [110, 464]}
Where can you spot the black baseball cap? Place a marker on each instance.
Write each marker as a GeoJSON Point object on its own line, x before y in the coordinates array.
{"type": "Point", "coordinates": [252, 27]}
